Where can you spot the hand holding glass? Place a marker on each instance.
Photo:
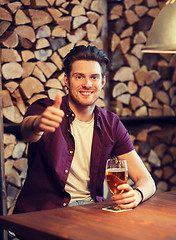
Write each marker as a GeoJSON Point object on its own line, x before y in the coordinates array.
{"type": "Point", "coordinates": [116, 174]}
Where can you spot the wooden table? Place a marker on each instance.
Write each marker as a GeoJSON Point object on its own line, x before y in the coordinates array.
{"type": "Point", "coordinates": [153, 219]}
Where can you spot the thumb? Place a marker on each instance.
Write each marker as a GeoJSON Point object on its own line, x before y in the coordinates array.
{"type": "Point", "coordinates": [58, 101]}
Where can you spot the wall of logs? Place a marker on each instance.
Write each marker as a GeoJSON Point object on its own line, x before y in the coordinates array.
{"type": "Point", "coordinates": [35, 36]}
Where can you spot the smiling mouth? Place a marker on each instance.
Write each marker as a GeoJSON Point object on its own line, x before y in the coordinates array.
{"type": "Point", "coordinates": [86, 93]}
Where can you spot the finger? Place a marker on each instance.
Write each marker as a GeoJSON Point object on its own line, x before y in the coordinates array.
{"type": "Point", "coordinates": [125, 186]}
{"type": "Point", "coordinates": [58, 101]}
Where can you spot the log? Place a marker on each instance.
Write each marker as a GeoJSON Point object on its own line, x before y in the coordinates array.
{"type": "Point", "coordinates": [132, 87]}
{"type": "Point", "coordinates": [168, 111]}
{"type": "Point", "coordinates": [54, 83]}
{"type": "Point", "coordinates": [124, 98]}
{"type": "Point", "coordinates": [39, 18]}
{"type": "Point", "coordinates": [128, 3]}
{"type": "Point", "coordinates": [36, 97]}
{"type": "Point", "coordinates": [153, 12]}
{"type": "Point", "coordinates": [142, 111]}
{"type": "Point", "coordinates": [119, 89]}
{"type": "Point", "coordinates": [14, 6]}
{"type": "Point", "coordinates": [117, 10]}
{"type": "Point", "coordinates": [55, 13]}
{"type": "Point", "coordinates": [142, 135]}
{"type": "Point", "coordinates": [126, 112]}
{"type": "Point", "coordinates": [10, 39]}
{"type": "Point", "coordinates": [86, 3]}
{"type": "Point", "coordinates": [43, 32]}
{"type": "Point", "coordinates": [146, 94]}
{"type": "Point", "coordinates": [30, 86]}
{"type": "Point", "coordinates": [58, 32]}
{"type": "Point", "coordinates": [7, 101]}
{"type": "Point", "coordinates": [155, 112]}
{"type": "Point", "coordinates": [21, 18]}
{"type": "Point", "coordinates": [43, 54]}
{"type": "Point", "coordinates": [140, 10]}
{"type": "Point", "coordinates": [66, 49]}
{"type": "Point", "coordinates": [78, 10]}
{"type": "Point", "coordinates": [128, 32]}
{"type": "Point", "coordinates": [12, 114]}
{"type": "Point", "coordinates": [42, 43]}
{"type": "Point", "coordinates": [162, 97]}
{"type": "Point", "coordinates": [4, 25]}
{"type": "Point", "coordinates": [141, 75]}
{"type": "Point", "coordinates": [5, 15]}
{"type": "Point", "coordinates": [97, 7]}
{"type": "Point", "coordinates": [9, 138]}
{"type": "Point", "coordinates": [26, 32]}
{"type": "Point", "coordinates": [124, 74]}
{"type": "Point", "coordinates": [92, 16]}
{"type": "Point", "coordinates": [65, 22]}
{"type": "Point", "coordinates": [53, 92]}
{"type": "Point", "coordinates": [11, 86]}
{"type": "Point", "coordinates": [115, 40]}
{"type": "Point", "coordinates": [27, 55]}
{"type": "Point", "coordinates": [135, 102]}
{"type": "Point", "coordinates": [55, 58]}
{"type": "Point", "coordinates": [26, 43]}
{"type": "Point", "coordinates": [28, 68]}
{"type": "Point", "coordinates": [76, 35]}
{"type": "Point", "coordinates": [131, 17]}
{"type": "Point", "coordinates": [19, 101]}
{"type": "Point", "coordinates": [137, 51]}
{"type": "Point", "coordinates": [39, 74]}
{"type": "Point", "coordinates": [91, 32]}
{"type": "Point", "coordinates": [79, 21]}
{"type": "Point", "coordinates": [39, 3]}
{"type": "Point", "coordinates": [12, 70]}
{"type": "Point", "coordinates": [132, 61]}
{"type": "Point", "coordinates": [47, 68]}
{"type": "Point", "coordinates": [10, 55]}
{"type": "Point", "coordinates": [139, 38]}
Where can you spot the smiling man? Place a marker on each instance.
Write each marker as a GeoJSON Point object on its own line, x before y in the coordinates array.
{"type": "Point", "coordinates": [71, 139]}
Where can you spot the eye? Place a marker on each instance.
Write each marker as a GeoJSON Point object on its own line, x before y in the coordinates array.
{"type": "Point", "coordinates": [95, 77]}
{"type": "Point", "coordinates": [79, 77]}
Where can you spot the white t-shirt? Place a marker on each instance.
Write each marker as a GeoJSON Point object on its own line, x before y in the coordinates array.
{"type": "Point", "coordinates": [79, 175]}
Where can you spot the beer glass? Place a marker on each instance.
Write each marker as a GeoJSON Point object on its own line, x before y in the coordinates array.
{"type": "Point", "coordinates": [116, 174]}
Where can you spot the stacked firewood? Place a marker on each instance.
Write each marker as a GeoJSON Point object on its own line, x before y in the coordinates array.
{"type": "Point", "coordinates": [35, 37]}
{"type": "Point", "coordinates": [140, 84]}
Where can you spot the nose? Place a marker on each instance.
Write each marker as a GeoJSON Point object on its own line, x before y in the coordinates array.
{"type": "Point", "coordinates": [87, 82]}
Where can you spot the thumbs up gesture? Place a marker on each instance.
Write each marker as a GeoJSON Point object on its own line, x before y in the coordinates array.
{"type": "Point", "coordinates": [50, 118]}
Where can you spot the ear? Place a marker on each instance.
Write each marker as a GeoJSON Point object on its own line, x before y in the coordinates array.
{"type": "Point", "coordinates": [103, 81]}
{"type": "Point", "coordinates": [66, 80]}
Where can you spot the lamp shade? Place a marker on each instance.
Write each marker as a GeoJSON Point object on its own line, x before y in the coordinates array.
{"type": "Point", "coordinates": [162, 35]}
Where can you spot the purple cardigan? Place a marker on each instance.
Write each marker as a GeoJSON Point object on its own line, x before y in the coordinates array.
{"type": "Point", "coordinates": [49, 159]}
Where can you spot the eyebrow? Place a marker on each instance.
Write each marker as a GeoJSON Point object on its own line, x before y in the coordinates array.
{"type": "Point", "coordinates": [82, 74]}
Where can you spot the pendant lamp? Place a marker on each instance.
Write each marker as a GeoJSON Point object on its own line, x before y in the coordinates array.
{"type": "Point", "coordinates": [162, 35]}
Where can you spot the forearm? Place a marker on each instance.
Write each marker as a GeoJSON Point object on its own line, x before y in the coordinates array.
{"type": "Point", "coordinates": [29, 131]}
{"type": "Point", "coordinates": [147, 186]}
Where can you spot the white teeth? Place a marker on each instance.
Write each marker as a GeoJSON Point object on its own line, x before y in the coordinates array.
{"type": "Point", "coordinates": [86, 93]}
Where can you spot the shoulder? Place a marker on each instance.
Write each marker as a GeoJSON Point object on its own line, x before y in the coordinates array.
{"type": "Point", "coordinates": [107, 115]}
{"type": "Point", "coordinates": [38, 106]}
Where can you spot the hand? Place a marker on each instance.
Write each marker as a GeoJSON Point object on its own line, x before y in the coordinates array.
{"type": "Point", "coordinates": [128, 199]}
{"type": "Point", "coordinates": [51, 117]}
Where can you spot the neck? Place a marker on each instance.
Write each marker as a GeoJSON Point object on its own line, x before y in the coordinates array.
{"type": "Point", "coordinates": [82, 113]}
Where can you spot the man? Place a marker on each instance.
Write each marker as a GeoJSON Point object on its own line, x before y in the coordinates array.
{"type": "Point", "coordinates": [71, 140]}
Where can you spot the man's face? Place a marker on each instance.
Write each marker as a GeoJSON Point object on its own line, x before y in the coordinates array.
{"type": "Point", "coordinates": [85, 82]}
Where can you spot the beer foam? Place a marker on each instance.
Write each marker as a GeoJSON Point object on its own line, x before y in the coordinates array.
{"type": "Point", "coordinates": [117, 170]}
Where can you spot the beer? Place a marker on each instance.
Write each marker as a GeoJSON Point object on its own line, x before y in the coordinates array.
{"type": "Point", "coordinates": [116, 177]}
